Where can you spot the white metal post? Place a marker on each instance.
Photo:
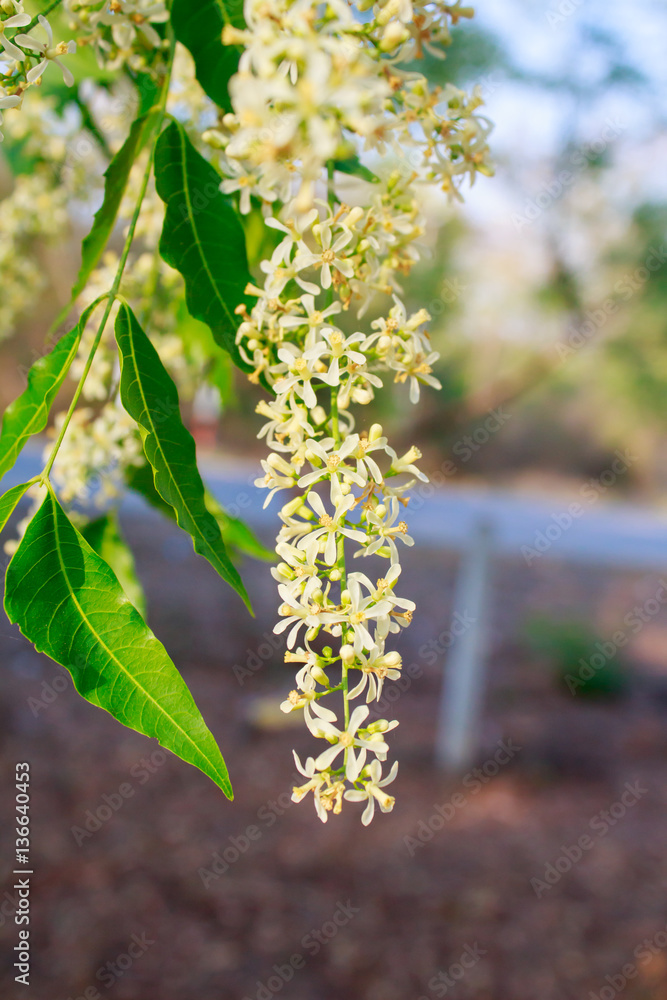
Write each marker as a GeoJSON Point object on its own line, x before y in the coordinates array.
{"type": "Point", "coordinates": [464, 675]}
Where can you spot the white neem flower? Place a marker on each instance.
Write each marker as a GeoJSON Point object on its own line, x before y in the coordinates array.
{"type": "Point", "coordinates": [347, 740]}
{"type": "Point", "coordinates": [295, 700]}
{"type": "Point", "coordinates": [372, 791]}
{"type": "Point", "coordinates": [127, 18]}
{"type": "Point", "coordinates": [339, 348]}
{"type": "Point", "coordinates": [293, 230]}
{"type": "Point", "coordinates": [287, 425]}
{"type": "Point", "coordinates": [384, 588]}
{"type": "Point", "coordinates": [332, 462]}
{"type": "Point", "coordinates": [382, 523]}
{"type": "Point", "coordinates": [301, 372]}
{"type": "Point", "coordinates": [297, 565]}
{"type": "Point", "coordinates": [7, 101]}
{"type": "Point", "coordinates": [303, 610]}
{"type": "Point", "coordinates": [329, 256]}
{"type": "Point", "coordinates": [405, 464]}
{"type": "Point", "coordinates": [18, 19]}
{"type": "Point", "coordinates": [332, 526]}
{"type": "Point", "coordinates": [314, 784]}
{"type": "Point", "coordinates": [417, 368]}
{"type": "Point", "coordinates": [359, 609]}
{"type": "Point", "coordinates": [310, 79]}
{"type": "Point", "coordinates": [278, 276]}
{"type": "Point", "coordinates": [354, 385]}
{"type": "Point", "coordinates": [46, 51]}
{"type": "Point", "coordinates": [278, 475]}
{"type": "Point", "coordinates": [241, 179]}
{"type": "Point", "coordinates": [313, 320]}
{"type": "Point", "coordinates": [374, 441]}
{"type": "Point", "coordinates": [376, 667]}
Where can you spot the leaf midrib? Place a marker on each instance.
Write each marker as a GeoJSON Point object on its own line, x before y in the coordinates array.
{"type": "Point", "coordinates": [26, 430]}
{"type": "Point", "coordinates": [156, 437]}
{"type": "Point", "coordinates": [96, 635]}
{"type": "Point", "coordinates": [191, 215]}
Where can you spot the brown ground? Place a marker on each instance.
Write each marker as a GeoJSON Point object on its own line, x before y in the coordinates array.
{"type": "Point", "coordinates": [410, 914]}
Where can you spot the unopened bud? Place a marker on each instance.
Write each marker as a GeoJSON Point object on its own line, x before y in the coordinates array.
{"type": "Point", "coordinates": [394, 35]}
{"type": "Point", "coordinates": [354, 215]}
{"type": "Point", "coordinates": [279, 463]}
{"type": "Point", "coordinates": [392, 659]}
{"type": "Point", "coordinates": [290, 509]}
{"type": "Point", "coordinates": [379, 726]}
{"type": "Point", "coordinates": [213, 138]}
{"type": "Point", "coordinates": [320, 676]}
{"type": "Point", "coordinates": [232, 35]}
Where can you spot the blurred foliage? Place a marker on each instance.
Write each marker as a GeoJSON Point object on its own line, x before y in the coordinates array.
{"type": "Point", "coordinates": [594, 238]}
{"type": "Point", "coordinates": [567, 647]}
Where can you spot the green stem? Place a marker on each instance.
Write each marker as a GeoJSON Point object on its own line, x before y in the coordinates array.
{"type": "Point", "coordinates": [331, 199]}
{"type": "Point", "coordinates": [335, 428]}
{"type": "Point", "coordinates": [323, 694]}
{"type": "Point", "coordinates": [42, 13]}
{"type": "Point", "coordinates": [115, 288]}
{"type": "Point", "coordinates": [340, 561]}
{"type": "Point", "coordinates": [331, 194]}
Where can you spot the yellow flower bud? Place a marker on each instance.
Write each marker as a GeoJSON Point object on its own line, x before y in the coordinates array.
{"type": "Point", "coordinates": [347, 654]}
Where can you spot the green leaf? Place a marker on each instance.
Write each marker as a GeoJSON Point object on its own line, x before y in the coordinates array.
{"type": "Point", "coordinates": [29, 413]}
{"type": "Point", "coordinates": [201, 350]}
{"type": "Point", "coordinates": [148, 90]}
{"type": "Point", "coordinates": [202, 237]}
{"type": "Point", "coordinates": [353, 165]}
{"type": "Point", "coordinates": [68, 603]}
{"type": "Point", "coordinates": [115, 181]}
{"type": "Point", "coordinates": [9, 502]}
{"type": "Point", "coordinates": [104, 537]}
{"type": "Point", "coordinates": [235, 533]}
{"type": "Point", "coordinates": [199, 27]}
{"type": "Point", "coordinates": [150, 397]}
{"type": "Point", "coordinates": [140, 479]}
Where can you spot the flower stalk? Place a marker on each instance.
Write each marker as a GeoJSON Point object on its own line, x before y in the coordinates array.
{"type": "Point", "coordinates": [315, 85]}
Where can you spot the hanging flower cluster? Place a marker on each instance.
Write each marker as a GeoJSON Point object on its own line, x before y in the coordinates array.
{"type": "Point", "coordinates": [103, 443]}
{"type": "Point", "coordinates": [121, 32]}
{"type": "Point", "coordinates": [27, 55]}
{"type": "Point", "coordinates": [317, 85]}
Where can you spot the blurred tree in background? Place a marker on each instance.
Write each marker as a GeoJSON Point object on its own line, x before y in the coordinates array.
{"type": "Point", "coordinates": [547, 290]}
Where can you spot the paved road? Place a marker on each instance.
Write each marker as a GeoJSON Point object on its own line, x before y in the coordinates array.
{"type": "Point", "coordinates": [579, 528]}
